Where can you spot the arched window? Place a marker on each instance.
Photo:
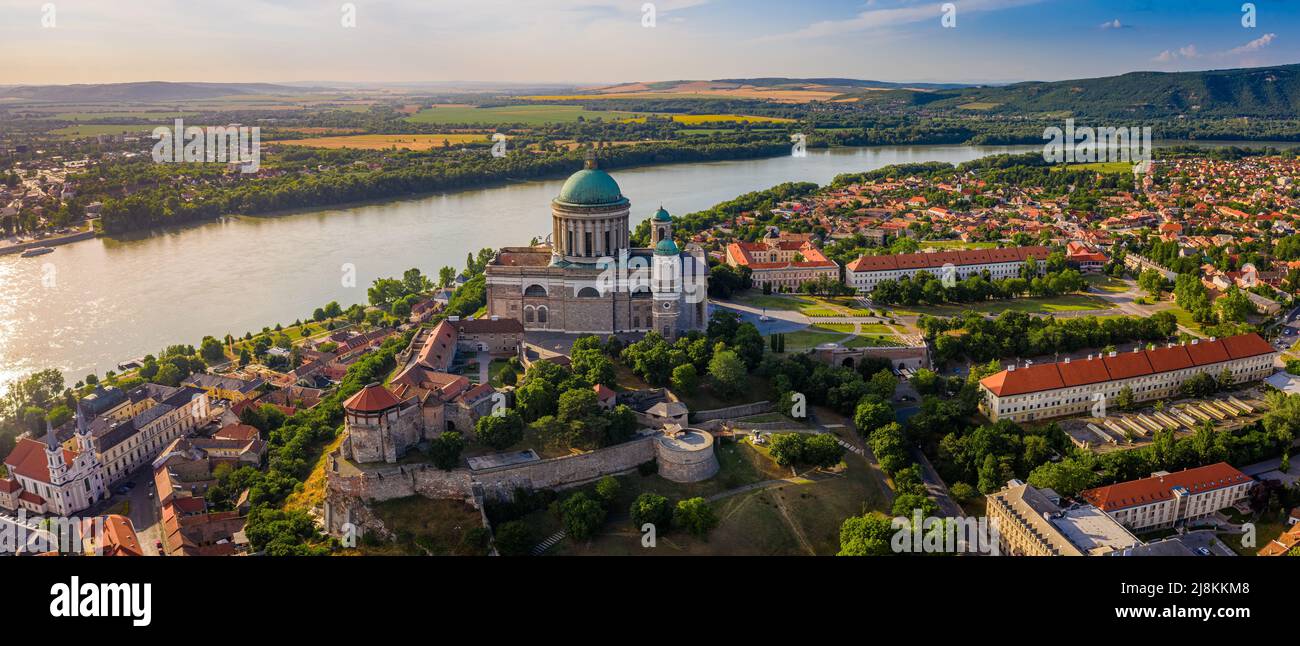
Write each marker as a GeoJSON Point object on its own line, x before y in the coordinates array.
{"type": "Point", "coordinates": [588, 292]}
{"type": "Point", "coordinates": [528, 314]}
{"type": "Point", "coordinates": [541, 314]}
{"type": "Point", "coordinates": [535, 290]}
{"type": "Point", "coordinates": [661, 233]}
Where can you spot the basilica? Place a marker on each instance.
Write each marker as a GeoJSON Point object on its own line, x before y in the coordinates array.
{"type": "Point", "coordinates": [588, 279]}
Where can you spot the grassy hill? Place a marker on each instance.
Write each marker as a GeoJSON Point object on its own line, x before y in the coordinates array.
{"type": "Point", "coordinates": [1264, 92]}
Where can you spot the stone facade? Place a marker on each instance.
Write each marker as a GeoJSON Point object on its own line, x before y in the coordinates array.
{"type": "Point", "coordinates": [347, 493]}
{"type": "Point", "coordinates": [686, 455]}
{"type": "Point", "coordinates": [590, 280]}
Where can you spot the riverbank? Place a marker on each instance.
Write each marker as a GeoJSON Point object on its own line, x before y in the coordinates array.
{"type": "Point", "coordinates": [47, 242]}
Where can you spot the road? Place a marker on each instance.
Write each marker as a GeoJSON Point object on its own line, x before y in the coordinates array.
{"type": "Point", "coordinates": [936, 487]}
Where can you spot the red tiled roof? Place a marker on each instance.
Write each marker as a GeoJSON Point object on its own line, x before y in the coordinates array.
{"type": "Point", "coordinates": [1207, 352]}
{"type": "Point", "coordinates": [939, 259]}
{"type": "Point", "coordinates": [242, 432]}
{"type": "Point", "coordinates": [603, 392]}
{"type": "Point", "coordinates": [1158, 488]}
{"type": "Point", "coordinates": [1125, 365]}
{"type": "Point", "coordinates": [1078, 373]}
{"type": "Point", "coordinates": [8, 486]}
{"type": "Point", "coordinates": [1169, 359]}
{"type": "Point", "coordinates": [28, 460]}
{"type": "Point", "coordinates": [440, 347]}
{"type": "Point", "coordinates": [31, 497]}
{"type": "Point", "coordinates": [371, 399]}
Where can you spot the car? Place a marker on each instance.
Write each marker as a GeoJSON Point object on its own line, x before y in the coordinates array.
{"type": "Point", "coordinates": [765, 318]}
{"type": "Point", "coordinates": [123, 490]}
{"type": "Point", "coordinates": [158, 544]}
{"type": "Point", "coordinates": [1203, 551]}
{"type": "Point", "coordinates": [905, 398]}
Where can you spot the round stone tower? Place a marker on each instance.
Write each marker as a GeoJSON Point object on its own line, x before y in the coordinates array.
{"type": "Point", "coordinates": [686, 455]}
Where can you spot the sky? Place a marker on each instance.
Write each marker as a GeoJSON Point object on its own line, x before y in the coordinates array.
{"type": "Point", "coordinates": [592, 42]}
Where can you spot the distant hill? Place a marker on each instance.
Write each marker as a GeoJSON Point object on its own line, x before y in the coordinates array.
{"type": "Point", "coordinates": [777, 81]}
{"type": "Point", "coordinates": [1262, 92]}
{"type": "Point", "coordinates": [144, 91]}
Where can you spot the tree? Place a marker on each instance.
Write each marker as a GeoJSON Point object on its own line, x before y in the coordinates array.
{"type": "Point", "coordinates": [515, 538]}
{"type": "Point", "coordinates": [695, 516]}
{"type": "Point", "coordinates": [212, 350]}
{"type": "Point", "coordinates": [1067, 477]}
{"type": "Point", "coordinates": [823, 450]}
{"type": "Point", "coordinates": [1124, 399]}
{"type": "Point", "coordinates": [868, 535]}
{"type": "Point", "coordinates": [578, 405]}
{"type": "Point", "coordinates": [445, 449]}
{"type": "Point", "coordinates": [500, 431]}
{"type": "Point", "coordinates": [581, 516]}
{"type": "Point", "coordinates": [607, 489]}
{"type": "Point", "coordinates": [1153, 282]}
{"type": "Point", "coordinates": [685, 378]}
{"type": "Point", "coordinates": [872, 413]}
{"type": "Point", "coordinates": [883, 384]}
{"type": "Point", "coordinates": [653, 509]}
{"type": "Point", "coordinates": [962, 492]}
{"type": "Point", "coordinates": [446, 276]}
{"type": "Point", "coordinates": [728, 372]}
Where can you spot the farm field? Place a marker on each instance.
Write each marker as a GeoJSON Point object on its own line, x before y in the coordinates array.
{"type": "Point", "coordinates": [94, 130]}
{"type": "Point", "coordinates": [532, 115]}
{"type": "Point", "coordinates": [695, 119]}
{"type": "Point", "coordinates": [381, 142]}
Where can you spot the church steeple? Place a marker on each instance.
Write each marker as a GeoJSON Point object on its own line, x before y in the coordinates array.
{"type": "Point", "coordinates": [54, 456]}
{"type": "Point", "coordinates": [84, 439]}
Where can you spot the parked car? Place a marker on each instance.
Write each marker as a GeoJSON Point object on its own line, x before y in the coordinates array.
{"type": "Point", "coordinates": [123, 490]}
{"type": "Point", "coordinates": [1203, 551]}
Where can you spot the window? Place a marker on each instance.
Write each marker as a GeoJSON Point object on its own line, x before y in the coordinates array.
{"type": "Point", "coordinates": [541, 315]}
{"type": "Point", "coordinates": [535, 290]}
{"type": "Point", "coordinates": [588, 292]}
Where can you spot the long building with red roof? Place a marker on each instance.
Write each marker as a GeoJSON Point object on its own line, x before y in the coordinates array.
{"type": "Point", "coordinates": [1069, 387]}
{"type": "Point", "coordinates": [1165, 498]}
{"type": "Point", "coordinates": [866, 272]}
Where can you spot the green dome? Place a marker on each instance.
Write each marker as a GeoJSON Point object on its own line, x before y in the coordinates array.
{"type": "Point", "coordinates": [591, 187]}
{"type": "Point", "coordinates": [666, 247]}
{"type": "Point", "coordinates": [662, 216]}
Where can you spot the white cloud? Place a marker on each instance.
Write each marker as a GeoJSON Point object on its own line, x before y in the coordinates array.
{"type": "Point", "coordinates": [1184, 52]}
{"type": "Point", "coordinates": [1112, 24]}
{"type": "Point", "coordinates": [1254, 45]}
{"type": "Point", "coordinates": [873, 19]}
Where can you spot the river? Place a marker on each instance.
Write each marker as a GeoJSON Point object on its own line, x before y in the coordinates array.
{"type": "Point", "coordinates": [91, 305]}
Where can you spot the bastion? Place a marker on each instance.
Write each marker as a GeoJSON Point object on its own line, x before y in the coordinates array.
{"type": "Point", "coordinates": [686, 454]}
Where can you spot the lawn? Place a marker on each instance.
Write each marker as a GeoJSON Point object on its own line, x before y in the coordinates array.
{"type": "Point", "coordinates": [1116, 168]}
{"type": "Point", "coordinates": [427, 526]}
{"type": "Point", "coordinates": [495, 369]}
{"type": "Point", "coordinates": [789, 519]}
{"type": "Point", "coordinates": [840, 306]}
{"type": "Point", "coordinates": [755, 298]}
{"type": "Point", "coordinates": [810, 338]}
{"type": "Point", "coordinates": [1107, 283]}
{"type": "Point", "coordinates": [1049, 305]}
{"type": "Point", "coordinates": [1265, 533]}
{"type": "Point", "coordinates": [532, 115]}
{"type": "Point", "coordinates": [385, 142]}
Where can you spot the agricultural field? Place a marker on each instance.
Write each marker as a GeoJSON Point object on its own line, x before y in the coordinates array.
{"type": "Point", "coordinates": [384, 142]}
{"type": "Point", "coordinates": [94, 130]}
{"type": "Point", "coordinates": [696, 119]}
{"type": "Point", "coordinates": [1106, 168]}
{"type": "Point", "coordinates": [531, 115]}
{"type": "Point", "coordinates": [139, 114]}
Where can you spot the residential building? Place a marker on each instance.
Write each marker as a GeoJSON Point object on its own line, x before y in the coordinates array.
{"type": "Point", "coordinates": [129, 435]}
{"type": "Point", "coordinates": [1069, 387]}
{"type": "Point", "coordinates": [225, 387]}
{"type": "Point", "coordinates": [866, 272]}
{"type": "Point", "coordinates": [1165, 499]}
